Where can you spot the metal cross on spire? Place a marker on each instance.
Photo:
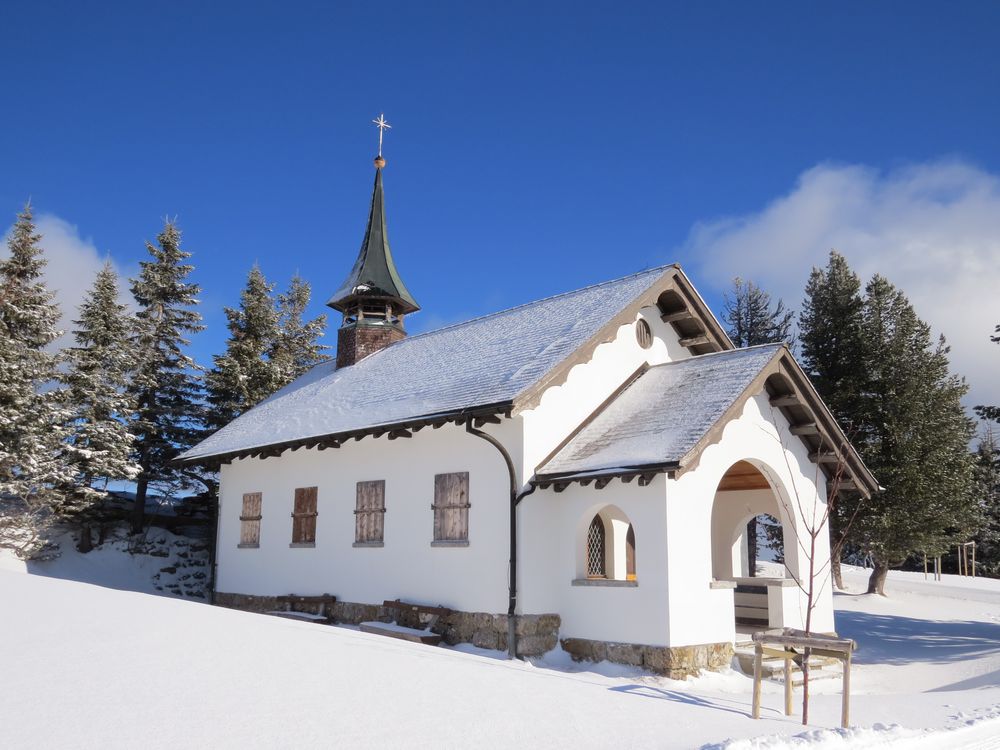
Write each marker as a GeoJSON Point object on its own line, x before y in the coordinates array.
{"type": "Point", "coordinates": [382, 127]}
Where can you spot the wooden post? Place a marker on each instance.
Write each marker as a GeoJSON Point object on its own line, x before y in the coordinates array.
{"type": "Point", "coordinates": [758, 666]}
{"type": "Point", "coordinates": [845, 707]}
{"type": "Point", "coordinates": [925, 566]}
{"type": "Point", "coordinates": [788, 683]}
{"type": "Point", "coordinates": [973, 559]}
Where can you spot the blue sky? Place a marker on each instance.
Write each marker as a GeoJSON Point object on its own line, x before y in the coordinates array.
{"type": "Point", "coordinates": [536, 147]}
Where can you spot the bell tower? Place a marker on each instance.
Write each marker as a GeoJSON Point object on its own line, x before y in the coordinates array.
{"type": "Point", "coordinates": [373, 298]}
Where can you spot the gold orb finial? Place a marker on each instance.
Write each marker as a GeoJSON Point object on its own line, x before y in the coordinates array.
{"type": "Point", "coordinates": [379, 161]}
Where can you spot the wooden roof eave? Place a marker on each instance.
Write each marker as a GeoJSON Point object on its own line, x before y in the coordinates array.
{"type": "Point", "coordinates": [673, 279]}
{"type": "Point", "coordinates": [784, 364]}
{"type": "Point", "coordinates": [830, 429]}
{"type": "Point", "coordinates": [489, 413]}
{"type": "Point", "coordinates": [601, 478]}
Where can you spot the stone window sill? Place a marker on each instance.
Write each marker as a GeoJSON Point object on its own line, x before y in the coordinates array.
{"type": "Point", "coordinates": [450, 543]}
{"type": "Point", "coordinates": [247, 546]}
{"type": "Point", "coordinates": [609, 582]}
{"type": "Point", "coordinates": [302, 545]}
{"type": "Point", "coordinates": [722, 585]}
{"type": "Point", "coordinates": [369, 544]}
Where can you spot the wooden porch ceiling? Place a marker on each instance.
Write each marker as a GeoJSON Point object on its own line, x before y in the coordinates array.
{"type": "Point", "coordinates": [743, 476]}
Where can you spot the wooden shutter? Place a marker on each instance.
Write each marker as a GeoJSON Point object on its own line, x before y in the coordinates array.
{"type": "Point", "coordinates": [250, 520]}
{"type": "Point", "coordinates": [304, 516]}
{"type": "Point", "coordinates": [451, 507]}
{"type": "Point", "coordinates": [369, 515]}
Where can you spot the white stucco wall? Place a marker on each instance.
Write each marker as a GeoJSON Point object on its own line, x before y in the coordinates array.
{"type": "Point", "coordinates": [731, 511]}
{"type": "Point", "coordinates": [672, 604]}
{"type": "Point", "coordinates": [472, 578]}
{"type": "Point", "coordinates": [565, 406]}
{"type": "Point", "coordinates": [552, 529]}
{"type": "Point", "coordinates": [759, 435]}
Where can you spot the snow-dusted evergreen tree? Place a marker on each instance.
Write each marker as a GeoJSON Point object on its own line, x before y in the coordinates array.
{"type": "Point", "coordinates": [991, 412]}
{"type": "Point", "coordinates": [914, 434]}
{"type": "Point", "coordinates": [246, 374]}
{"type": "Point", "coordinates": [32, 416]}
{"type": "Point", "coordinates": [751, 318]}
{"type": "Point", "coordinates": [988, 478]}
{"type": "Point", "coordinates": [297, 349]}
{"type": "Point", "coordinates": [166, 386]}
{"type": "Point", "coordinates": [830, 337]}
{"type": "Point", "coordinates": [833, 353]}
{"type": "Point", "coordinates": [97, 379]}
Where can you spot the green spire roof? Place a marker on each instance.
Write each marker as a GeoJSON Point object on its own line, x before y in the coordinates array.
{"type": "Point", "coordinates": [374, 275]}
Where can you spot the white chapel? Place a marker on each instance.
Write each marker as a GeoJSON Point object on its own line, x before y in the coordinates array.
{"type": "Point", "coordinates": [577, 471]}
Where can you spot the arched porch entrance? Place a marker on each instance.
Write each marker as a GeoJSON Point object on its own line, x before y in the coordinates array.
{"type": "Point", "coordinates": [745, 493]}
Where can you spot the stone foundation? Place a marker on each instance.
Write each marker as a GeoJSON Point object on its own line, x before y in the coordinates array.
{"type": "Point", "coordinates": [675, 662]}
{"type": "Point", "coordinates": [536, 634]}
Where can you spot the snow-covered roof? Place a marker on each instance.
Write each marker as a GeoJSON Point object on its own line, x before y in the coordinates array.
{"type": "Point", "coordinates": [660, 417]}
{"type": "Point", "coordinates": [485, 361]}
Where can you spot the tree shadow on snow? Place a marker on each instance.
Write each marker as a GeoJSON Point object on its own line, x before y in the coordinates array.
{"type": "Point", "coordinates": [891, 639]}
{"type": "Point", "coordinates": [649, 691]}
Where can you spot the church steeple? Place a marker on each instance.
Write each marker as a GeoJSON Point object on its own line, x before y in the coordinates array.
{"type": "Point", "coordinates": [373, 298]}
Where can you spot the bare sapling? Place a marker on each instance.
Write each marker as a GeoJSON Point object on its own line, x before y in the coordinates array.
{"type": "Point", "coordinates": [811, 518]}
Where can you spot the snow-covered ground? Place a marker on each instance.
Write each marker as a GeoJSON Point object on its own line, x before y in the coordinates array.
{"type": "Point", "coordinates": [157, 562]}
{"type": "Point", "coordinates": [87, 666]}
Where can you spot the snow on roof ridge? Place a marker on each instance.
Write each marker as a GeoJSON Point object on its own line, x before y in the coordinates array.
{"type": "Point", "coordinates": [730, 352]}
{"type": "Point", "coordinates": [627, 433]}
{"type": "Point", "coordinates": [537, 302]}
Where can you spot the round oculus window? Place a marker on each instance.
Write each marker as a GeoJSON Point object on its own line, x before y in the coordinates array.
{"type": "Point", "coordinates": [643, 334]}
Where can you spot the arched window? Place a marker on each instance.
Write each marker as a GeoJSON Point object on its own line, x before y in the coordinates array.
{"type": "Point", "coordinates": [596, 566]}
{"type": "Point", "coordinates": [630, 554]}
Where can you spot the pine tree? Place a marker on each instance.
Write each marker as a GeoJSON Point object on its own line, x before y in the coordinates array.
{"type": "Point", "coordinates": [297, 349]}
{"type": "Point", "coordinates": [914, 436]}
{"type": "Point", "coordinates": [987, 539]}
{"type": "Point", "coordinates": [833, 354]}
{"type": "Point", "coordinates": [165, 386]}
{"type": "Point", "coordinates": [830, 336]}
{"type": "Point", "coordinates": [97, 382]}
{"type": "Point", "coordinates": [32, 457]}
{"type": "Point", "coordinates": [991, 412]}
{"type": "Point", "coordinates": [246, 374]}
{"type": "Point", "coordinates": [751, 320]}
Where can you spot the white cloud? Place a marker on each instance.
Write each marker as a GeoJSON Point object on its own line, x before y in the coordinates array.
{"type": "Point", "coordinates": [73, 262]}
{"type": "Point", "coordinates": [932, 229]}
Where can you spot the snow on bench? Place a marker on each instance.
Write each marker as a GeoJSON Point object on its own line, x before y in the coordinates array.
{"type": "Point", "coordinates": [392, 630]}
{"type": "Point", "coordinates": [416, 635]}
{"type": "Point", "coordinates": [289, 600]}
{"type": "Point", "coordinates": [298, 615]}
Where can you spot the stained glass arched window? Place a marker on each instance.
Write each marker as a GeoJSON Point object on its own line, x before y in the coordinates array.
{"type": "Point", "coordinates": [596, 566]}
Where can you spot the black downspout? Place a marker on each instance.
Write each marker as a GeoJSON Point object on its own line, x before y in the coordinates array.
{"type": "Point", "coordinates": [515, 499]}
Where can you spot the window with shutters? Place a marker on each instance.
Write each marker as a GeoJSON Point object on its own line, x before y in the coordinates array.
{"type": "Point", "coordinates": [369, 514]}
{"type": "Point", "coordinates": [250, 520]}
{"type": "Point", "coordinates": [304, 518]}
{"type": "Point", "coordinates": [451, 509]}
{"type": "Point", "coordinates": [596, 549]}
